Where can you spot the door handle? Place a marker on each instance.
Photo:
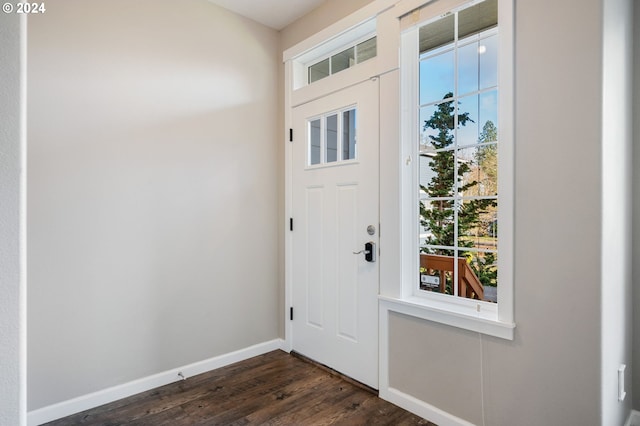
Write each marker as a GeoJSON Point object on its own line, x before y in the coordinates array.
{"type": "Point", "coordinates": [369, 251]}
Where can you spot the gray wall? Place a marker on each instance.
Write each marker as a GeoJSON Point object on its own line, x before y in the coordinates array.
{"type": "Point", "coordinates": [152, 191]}
{"type": "Point", "coordinates": [12, 365]}
{"type": "Point", "coordinates": [636, 211]}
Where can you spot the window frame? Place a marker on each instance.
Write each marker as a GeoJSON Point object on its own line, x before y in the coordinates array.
{"type": "Point", "coordinates": [495, 319]}
{"type": "Point", "coordinates": [353, 44]}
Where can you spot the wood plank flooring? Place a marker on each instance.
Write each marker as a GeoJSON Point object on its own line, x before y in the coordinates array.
{"type": "Point", "coordinates": [271, 389]}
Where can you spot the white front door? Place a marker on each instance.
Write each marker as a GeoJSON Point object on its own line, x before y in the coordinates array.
{"type": "Point", "coordinates": [335, 213]}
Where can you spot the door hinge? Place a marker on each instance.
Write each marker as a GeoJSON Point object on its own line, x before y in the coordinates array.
{"type": "Point", "coordinates": [290, 135]}
{"type": "Point", "coordinates": [291, 313]}
{"type": "Point", "coordinates": [290, 224]}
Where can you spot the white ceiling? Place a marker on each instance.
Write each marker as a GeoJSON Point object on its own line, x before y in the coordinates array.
{"type": "Point", "coordinates": [276, 14]}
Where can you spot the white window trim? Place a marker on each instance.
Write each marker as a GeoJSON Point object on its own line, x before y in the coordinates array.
{"type": "Point", "coordinates": [492, 319]}
{"type": "Point", "coordinates": [336, 44]}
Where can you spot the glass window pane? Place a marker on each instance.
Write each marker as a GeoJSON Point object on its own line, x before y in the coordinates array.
{"type": "Point", "coordinates": [475, 19]}
{"type": "Point", "coordinates": [436, 126]}
{"type": "Point", "coordinates": [428, 135]}
{"type": "Point", "coordinates": [436, 224]}
{"type": "Point", "coordinates": [343, 60]}
{"type": "Point", "coordinates": [437, 77]}
{"type": "Point", "coordinates": [436, 273]}
{"type": "Point", "coordinates": [437, 174]}
{"type": "Point", "coordinates": [332, 139]}
{"type": "Point", "coordinates": [467, 131]}
{"type": "Point", "coordinates": [478, 224]}
{"type": "Point", "coordinates": [479, 169]}
{"type": "Point", "coordinates": [436, 34]}
{"type": "Point", "coordinates": [319, 70]}
{"type": "Point", "coordinates": [488, 52]}
{"type": "Point", "coordinates": [314, 142]}
{"type": "Point", "coordinates": [479, 268]}
{"type": "Point", "coordinates": [367, 49]}
{"type": "Point", "coordinates": [468, 69]}
{"type": "Point", "coordinates": [488, 119]}
{"type": "Point", "coordinates": [349, 134]}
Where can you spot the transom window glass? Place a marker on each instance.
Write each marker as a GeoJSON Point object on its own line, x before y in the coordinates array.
{"type": "Point", "coordinates": [332, 137]}
{"type": "Point", "coordinates": [458, 155]}
{"type": "Point", "coordinates": [342, 60]}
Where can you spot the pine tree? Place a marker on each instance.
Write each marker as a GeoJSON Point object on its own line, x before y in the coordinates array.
{"type": "Point", "coordinates": [439, 219]}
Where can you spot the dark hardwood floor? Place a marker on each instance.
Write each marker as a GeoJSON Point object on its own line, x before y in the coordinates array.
{"type": "Point", "coordinates": [272, 389]}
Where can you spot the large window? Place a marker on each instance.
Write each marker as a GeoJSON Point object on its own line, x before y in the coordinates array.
{"type": "Point", "coordinates": [458, 168]}
{"type": "Point", "coordinates": [453, 121]}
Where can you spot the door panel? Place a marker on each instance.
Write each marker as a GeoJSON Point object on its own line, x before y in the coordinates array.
{"type": "Point", "coordinates": [334, 200]}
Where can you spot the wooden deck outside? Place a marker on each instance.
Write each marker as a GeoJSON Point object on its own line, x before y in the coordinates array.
{"type": "Point", "coordinates": [468, 283]}
{"type": "Point", "coordinates": [271, 389]}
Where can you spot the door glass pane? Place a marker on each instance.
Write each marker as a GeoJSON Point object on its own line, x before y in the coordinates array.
{"type": "Point", "coordinates": [349, 134]}
{"type": "Point", "coordinates": [332, 138]}
{"type": "Point", "coordinates": [314, 142]}
{"type": "Point", "coordinates": [319, 70]}
{"type": "Point", "coordinates": [367, 49]}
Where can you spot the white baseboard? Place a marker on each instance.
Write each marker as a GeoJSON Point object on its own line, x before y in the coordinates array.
{"type": "Point", "coordinates": [634, 419]}
{"type": "Point", "coordinates": [421, 408]}
{"type": "Point", "coordinates": [105, 396]}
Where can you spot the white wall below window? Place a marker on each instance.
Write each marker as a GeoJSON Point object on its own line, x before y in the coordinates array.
{"type": "Point", "coordinates": [152, 191]}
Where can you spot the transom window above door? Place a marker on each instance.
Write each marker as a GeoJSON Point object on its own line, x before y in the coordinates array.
{"type": "Point", "coordinates": [340, 61]}
{"type": "Point", "coordinates": [331, 137]}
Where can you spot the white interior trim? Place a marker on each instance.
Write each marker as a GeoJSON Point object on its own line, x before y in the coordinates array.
{"type": "Point", "coordinates": [105, 396]}
{"type": "Point", "coordinates": [399, 398]}
{"type": "Point", "coordinates": [356, 18]}
{"type": "Point", "coordinates": [422, 409]}
{"type": "Point", "coordinates": [23, 222]}
{"type": "Point", "coordinates": [416, 307]}
{"type": "Point", "coordinates": [288, 203]}
{"type": "Point", "coordinates": [347, 39]}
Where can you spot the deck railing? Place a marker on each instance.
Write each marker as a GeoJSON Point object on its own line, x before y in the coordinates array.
{"type": "Point", "coordinates": [469, 285]}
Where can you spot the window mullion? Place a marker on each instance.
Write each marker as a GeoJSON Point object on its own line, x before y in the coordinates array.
{"type": "Point", "coordinates": [456, 189]}
{"type": "Point", "coordinates": [323, 139]}
{"type": "Point", "coordinates": [340, 137]}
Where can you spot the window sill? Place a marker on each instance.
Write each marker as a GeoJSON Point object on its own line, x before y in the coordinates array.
{"type": "Point", "coordinates": [423, 309]}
